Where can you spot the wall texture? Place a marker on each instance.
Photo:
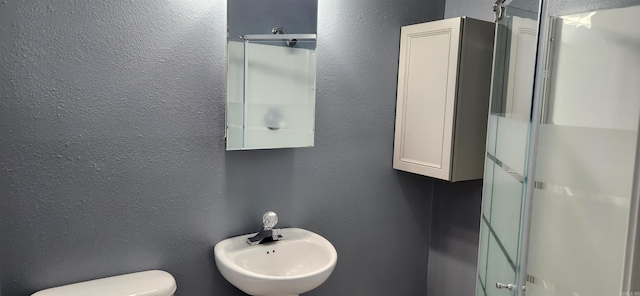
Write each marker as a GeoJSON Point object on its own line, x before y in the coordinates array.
{"type": "Point", "coordinates": [455, 231]}
{"type": "Point", "coordinates": [112, 153]}
{"type": "Point", "coordinates": [259, 16]}
{"type": "Point", "coordinates": [479, 9]}
{"type": "Point", "coordinates": [455, 226]}
{"type": "Point", "coordinates": [483, 9]}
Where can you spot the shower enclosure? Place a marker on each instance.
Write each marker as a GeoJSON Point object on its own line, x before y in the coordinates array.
{"type": "Point", "coordinates": [560, 200]}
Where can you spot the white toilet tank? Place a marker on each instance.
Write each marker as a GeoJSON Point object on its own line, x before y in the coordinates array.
{"type": "Point", "coordinates": [147, 283]}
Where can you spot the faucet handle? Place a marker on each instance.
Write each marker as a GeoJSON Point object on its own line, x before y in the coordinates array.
{"type": "Point", "coordinates": [269, 220]}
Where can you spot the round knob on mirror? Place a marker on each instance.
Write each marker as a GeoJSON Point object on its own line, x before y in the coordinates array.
{"type": "Point", "coordinates": [269, 219]}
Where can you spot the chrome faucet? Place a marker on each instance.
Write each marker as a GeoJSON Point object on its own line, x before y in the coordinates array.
{"type": "Point", "coordinates": [267, 234]}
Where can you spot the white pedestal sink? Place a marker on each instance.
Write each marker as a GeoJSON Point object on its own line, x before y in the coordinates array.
{"type": "Point", "coordinates": [299, 262]}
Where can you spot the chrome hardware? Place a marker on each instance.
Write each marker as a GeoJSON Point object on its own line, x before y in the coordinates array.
{"type": "Point", "coordinates": [509, 287]}
{"type": "Point", "coordinates": [269, 219]}
{"type": "Point", "coordinates": [278, 30]}
{"type": "Point", "coordinates": [499, 9]}
{"type": "Point", "coordinates": [267, 234]}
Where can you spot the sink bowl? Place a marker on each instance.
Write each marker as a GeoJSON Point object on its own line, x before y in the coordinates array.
{"type": "Point", "coordinates": [299, 262]}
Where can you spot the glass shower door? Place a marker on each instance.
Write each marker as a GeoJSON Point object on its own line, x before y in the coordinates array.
{"type": "Point", "coordinates": [505, 176]}
{"type": "Point", "coordinates": [561, 217]}
{"type": "Point", "coordinates": [586, 148]}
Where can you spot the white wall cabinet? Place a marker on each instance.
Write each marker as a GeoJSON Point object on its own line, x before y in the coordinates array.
{"type": "Point", "coordinates": [444, 82]}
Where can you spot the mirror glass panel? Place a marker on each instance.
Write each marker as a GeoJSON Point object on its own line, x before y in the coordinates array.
{"type": "Point", "coordinates": [271, 73]}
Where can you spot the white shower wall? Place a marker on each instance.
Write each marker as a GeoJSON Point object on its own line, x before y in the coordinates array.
{"type": "Point", "coordinates": [280, 81]}
{"type": "Point", "coordinates": [596, 70]}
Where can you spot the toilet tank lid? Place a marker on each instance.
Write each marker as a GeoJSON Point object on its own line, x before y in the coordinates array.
{"type": "Point", "coordinates": [147, 283]}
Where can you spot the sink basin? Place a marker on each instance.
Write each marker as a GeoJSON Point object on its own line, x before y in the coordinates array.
{"type": "Point", "coordinates": [299, 262]}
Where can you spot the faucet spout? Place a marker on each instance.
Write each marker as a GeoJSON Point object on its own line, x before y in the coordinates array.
{"type": "Point", "coordinates": [265, 236]}
{"type": "Point", "coordinates": [268, 233]}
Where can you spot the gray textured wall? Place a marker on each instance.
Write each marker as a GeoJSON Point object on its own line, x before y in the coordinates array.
{"type": "Point", "coordinates": [483, 9]}
{"type": "Point", "coordinates": [479, 9]}
{"type": "Point", "coordinates": [112, 155]}
{"type": "Point", "coordinates": [259, 16]}
{"type": "Point", "coordinates": [455, 230]}
{"type": "Point", "coordinates": [455, 226]}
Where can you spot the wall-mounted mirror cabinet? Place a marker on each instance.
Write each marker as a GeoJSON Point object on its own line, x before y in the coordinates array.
{"type": "Point", "coordinates": [271, 73]}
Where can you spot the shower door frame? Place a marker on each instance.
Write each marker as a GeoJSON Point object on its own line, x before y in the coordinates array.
{"type": "Point", "coordinates": [516, 285]}
{"type": "Point", "coordinates": [539, 87]}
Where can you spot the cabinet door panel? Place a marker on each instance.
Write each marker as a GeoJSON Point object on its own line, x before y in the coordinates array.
{"type": "Point", "coordinates": [426, 97]}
